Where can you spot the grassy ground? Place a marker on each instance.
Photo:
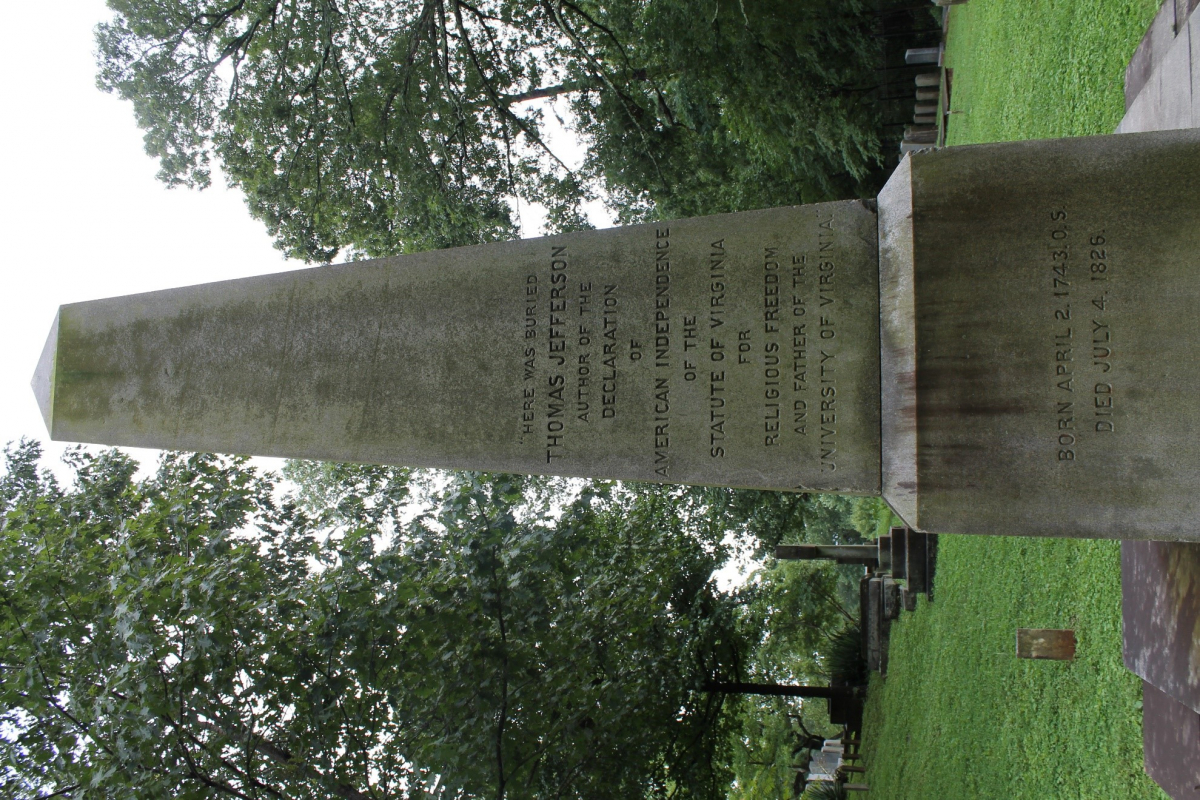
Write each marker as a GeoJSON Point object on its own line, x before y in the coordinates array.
{"type": "Point", "coordinates": [1030, 69]}
{"type": "Point", "coordinates": [959, 716]}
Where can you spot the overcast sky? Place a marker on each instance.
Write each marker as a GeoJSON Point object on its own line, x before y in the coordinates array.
{"type": "Point", "coordinates": [83, 215]}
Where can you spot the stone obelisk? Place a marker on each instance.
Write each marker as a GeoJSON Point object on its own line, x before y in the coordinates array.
{"type": "Point", "coordinates": [740, 350]}
{"type": "Point", "coordinates": [1006, 344]}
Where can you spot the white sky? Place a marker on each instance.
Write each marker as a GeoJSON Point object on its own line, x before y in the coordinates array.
{"type": "Point", "coordinates": [81, 214]}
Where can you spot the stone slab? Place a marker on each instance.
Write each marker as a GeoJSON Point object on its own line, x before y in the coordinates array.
{"type": "Point", "coordinates": [1193, 31]}
{"type": "Point", "coordinates": [1158, 39]}
{"type": "Point", "coordinates": [1161, 88]}
{"type": "Point", "coordinates": [898, 343]}
{"type": "Point", "coordinates": [1174, 79]}
{"type": "Point", "coordinates": [1160, 601]}
{"type": "Point", "coordinates": [739, 350]}
{"type": "Point", "coordinates": [1025, 389]}
{"type": "Point", "coordinates": [1171, 737]}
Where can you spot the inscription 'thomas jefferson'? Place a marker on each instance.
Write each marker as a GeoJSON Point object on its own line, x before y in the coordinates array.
{"type": "Point", "coordinates": [682, 352]}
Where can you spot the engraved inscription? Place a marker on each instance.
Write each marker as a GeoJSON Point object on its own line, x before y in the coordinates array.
{"type": "Point", "coordinates": [716, 352]}
{"type": "Point", "coordinates": [608, 361]}
{"type": "Point", "coordinates": [556, 403]}
{"type": "Point", "coordinates": [584, 379]}
{"type": "Point", "coordinates": [799, 324]}
{"type": "Point", "coordinates": [529, 303]}
{"type": "Point", "coordinates": [1081, 340]}
{"type": "Point", "coordinates": [771, 348]}
{"type": "Point", "coordinates": [1059, 284]}
{"type": "Point", "coordinates": [662, 352]}
{"type": "Point", "coordinates": [693, 351]}
{"type": "Point", "coordinates": [1102, 335]}
{"type": "Point", "coordinates": [827, 332]}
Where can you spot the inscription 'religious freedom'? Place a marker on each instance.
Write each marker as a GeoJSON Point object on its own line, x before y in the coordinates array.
{"type": "Point", "coordinates": [707, 346]}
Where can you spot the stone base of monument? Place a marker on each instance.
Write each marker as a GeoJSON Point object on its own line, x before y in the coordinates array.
{"type": "Point", "coordinates": [1037, 345]}
{"type": "Point", "coordinates": [1160, 587]}
{"type": "Point", "coordinates": [1160, 593]}
{"type": "Point", "coordinates": [1163, 77]}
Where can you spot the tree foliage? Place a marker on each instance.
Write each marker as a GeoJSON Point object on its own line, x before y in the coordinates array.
{"type": "Point", "coordinates": [190, 636]}
{"type": "Point", "coordinates": [384, 125]}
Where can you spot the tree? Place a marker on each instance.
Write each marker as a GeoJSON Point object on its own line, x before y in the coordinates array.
{"type": "Point", "coordinates": [390, 125]}
{"type": "Point", "coordinates": [191, 636]}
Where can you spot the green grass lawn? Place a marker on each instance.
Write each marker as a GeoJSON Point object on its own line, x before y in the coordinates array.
{"type": "Point", "coordinates": [1030, 69]}
{"type": "Point", "coordinates": [959, 716]}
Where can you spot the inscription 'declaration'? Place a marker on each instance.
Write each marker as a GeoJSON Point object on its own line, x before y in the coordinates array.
{"type": "Point", "coordinates": [1084, 396]}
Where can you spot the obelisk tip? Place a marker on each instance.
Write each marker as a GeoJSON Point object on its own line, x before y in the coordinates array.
{"type": "Point", "coordinates": [43, 376]}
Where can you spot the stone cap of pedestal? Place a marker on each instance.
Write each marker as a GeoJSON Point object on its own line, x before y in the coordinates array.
{"type": "Point", "coordinates": [898, 341]}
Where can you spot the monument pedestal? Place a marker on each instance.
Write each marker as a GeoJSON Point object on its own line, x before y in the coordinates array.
{"type": "Point", "coordinates": [1039, 352]}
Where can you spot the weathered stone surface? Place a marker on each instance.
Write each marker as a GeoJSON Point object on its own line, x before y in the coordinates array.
{"type": "Point", "coordinates": [1150, 52]}
{"type": "Point", "coordinates": [739, 350]}
{"type": "Point", "coordinates": [898, 350]}
{"type": "Point", "coordinates": [1160, 588]}
{"type": "Point", "coordinates": [1171, 738]}
{"type": "Point", "coordinates": [1160, 84]}
{"type": "Point", "coordinates": [43, 376]}
{"type": "Point", "coordinates": [1039, 352]}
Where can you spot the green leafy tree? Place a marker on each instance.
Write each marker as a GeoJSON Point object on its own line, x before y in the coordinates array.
{"type": "Point", "coordinates": [386, 125]}
{"type": "Point", "coordinates": [189, 635]}
{"type": "Point", "coordinates": [761, 103]}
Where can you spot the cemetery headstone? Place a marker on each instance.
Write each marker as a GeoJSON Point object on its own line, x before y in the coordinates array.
{"type": "Point", "coordinates": [1046, 643]}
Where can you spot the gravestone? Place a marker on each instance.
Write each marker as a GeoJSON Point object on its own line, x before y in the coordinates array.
{"type": "Point", "coordinates": [1005, 347]}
